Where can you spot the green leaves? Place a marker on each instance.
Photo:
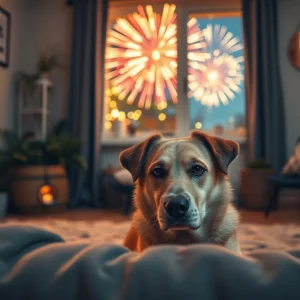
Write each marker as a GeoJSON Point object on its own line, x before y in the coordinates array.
{"type": "Point", "coordinates": [61, 147]}
{"type": "Point", "coordinates": [50, 60]}
{"type": "Point", "coordinates": [10, 139]}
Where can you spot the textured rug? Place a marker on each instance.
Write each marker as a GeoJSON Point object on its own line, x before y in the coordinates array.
{"type": "Point", "coordinates": [252, 237]}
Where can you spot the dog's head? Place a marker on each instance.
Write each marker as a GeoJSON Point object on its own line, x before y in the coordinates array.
{"type": "Point", "coordinates": [176, 178]}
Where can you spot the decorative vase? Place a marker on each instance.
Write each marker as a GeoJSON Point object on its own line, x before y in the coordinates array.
{"type": "Point", "coordinates": [255, 188]}
{"type": "Point", "coordinates": [28, 180]}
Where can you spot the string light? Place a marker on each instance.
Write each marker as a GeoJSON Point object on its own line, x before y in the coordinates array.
{"type": "Point", "coordinates": [108, 125]}
{"type": "Point", "coordinates": [122, 116]}
{"type": "Point", "coordinates": [162, 117]}
{"type": "Point", "coordinates": [113, 104]}
{"type": "Point", "coordinates": [198, 125]}
{"type": "Point", "coordinates": [115, 113]}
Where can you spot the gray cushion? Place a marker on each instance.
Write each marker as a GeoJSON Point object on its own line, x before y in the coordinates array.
{"type": "Point", "coordinates": [36, 264]}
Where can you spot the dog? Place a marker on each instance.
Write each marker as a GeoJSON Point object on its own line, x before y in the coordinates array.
{"type": "Point", "coordinates": [182, 192]}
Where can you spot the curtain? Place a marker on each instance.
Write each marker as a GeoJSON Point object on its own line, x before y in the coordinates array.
{"type": "Point", "coordinates": [86, 94]}
{"type": "Point", "coordinates": [265, 109]}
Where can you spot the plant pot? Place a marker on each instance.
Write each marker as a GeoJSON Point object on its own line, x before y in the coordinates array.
{"type": "Point", "coordinates": [255, 188]}
{"type": "Point", "coordinates": [3, 204]}
{"type": "Point", "coordinates": [28, 180]}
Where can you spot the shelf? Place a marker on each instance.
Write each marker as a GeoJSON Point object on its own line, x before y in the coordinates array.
{"type": "Point", "coordinates": [127, 141]}
{"type": "Point", "coordinates": [44, 81]}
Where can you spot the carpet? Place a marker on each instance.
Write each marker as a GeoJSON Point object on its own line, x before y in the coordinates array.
{"type": "Point", "coordinates": [252, 237]}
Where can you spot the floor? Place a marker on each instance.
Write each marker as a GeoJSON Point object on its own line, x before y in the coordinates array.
{"type": "Point", "coordinates": [256, 217]}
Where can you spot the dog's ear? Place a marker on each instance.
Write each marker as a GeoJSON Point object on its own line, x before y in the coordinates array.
{"type": "Point", "coordinates": [134, 158]}
{"type": "Point", "coordinates": [223, 151]}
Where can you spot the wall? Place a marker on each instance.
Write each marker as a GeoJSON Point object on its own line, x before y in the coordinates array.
{"type": "Point", "coordinates": [288, 17]}
{"type": "Point", "coordinates": [49, 24]}
{"type": "Point", "coordinates": [7, 90]}
{"type": "Point", "coordinates": [36, 25]}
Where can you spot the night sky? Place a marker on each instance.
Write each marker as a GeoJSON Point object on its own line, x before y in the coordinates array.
{"type": "Point", "coordinates": [220, 115]}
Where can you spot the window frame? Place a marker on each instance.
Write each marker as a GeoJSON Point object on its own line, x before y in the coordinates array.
{"type": "Point", "coordinates": [184, 11]}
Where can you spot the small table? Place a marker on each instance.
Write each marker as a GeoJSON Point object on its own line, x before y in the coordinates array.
{"type": "Point", "coordinates": [279, 181]}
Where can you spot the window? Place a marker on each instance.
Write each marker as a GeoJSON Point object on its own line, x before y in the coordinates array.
{"type": "Point", "coordinates": [142, 58]}
{"type": "Point", "coordinates": [216, 74]}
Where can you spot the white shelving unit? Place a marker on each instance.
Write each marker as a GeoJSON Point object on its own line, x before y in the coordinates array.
{"type": "Point", "coordinates": [33, 108]}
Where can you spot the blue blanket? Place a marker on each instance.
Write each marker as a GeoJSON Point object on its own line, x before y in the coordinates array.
{"type": "Point", "coordinates": [36, 264]}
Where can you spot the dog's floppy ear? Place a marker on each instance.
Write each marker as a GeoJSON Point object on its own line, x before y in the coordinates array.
{"type": "Point", "coordinates": [134, 158]}
{"type": "Point", "coordinates": [223, 151]}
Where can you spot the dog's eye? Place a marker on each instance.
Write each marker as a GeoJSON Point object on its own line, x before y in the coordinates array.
{"type": "Point", "coordinates": [197, 170]}
{"type": "Point", "coordinates": [158, 172]}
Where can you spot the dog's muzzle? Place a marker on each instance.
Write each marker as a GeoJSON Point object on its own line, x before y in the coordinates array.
{"type": "Point", "coordinates": [178, 213]}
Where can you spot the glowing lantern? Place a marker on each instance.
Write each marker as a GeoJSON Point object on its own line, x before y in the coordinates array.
{"type": "Point", "coordinates": [47, 194]}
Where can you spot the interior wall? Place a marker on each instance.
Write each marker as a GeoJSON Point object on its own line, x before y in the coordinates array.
{"type": "Point", "coordinates": [49, 24]}
{"type": "Point", "coordinates": [288, 17]}
{"type": "Point", "coordinates": [7, 88]}
{"type": "Point", "coordinates": [36, 25]}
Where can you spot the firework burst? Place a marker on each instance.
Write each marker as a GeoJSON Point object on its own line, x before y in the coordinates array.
{"type": "Point", "coordinates": [141, 57]}
{"type": "Point", "coordinates": [217, 76]}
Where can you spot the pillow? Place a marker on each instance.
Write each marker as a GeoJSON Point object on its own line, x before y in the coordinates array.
{"type": "Point", "coordinates": [292, 167]}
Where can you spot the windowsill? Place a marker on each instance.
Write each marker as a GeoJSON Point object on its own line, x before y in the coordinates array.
{"type": "Point", "coordinates": [128, 141]}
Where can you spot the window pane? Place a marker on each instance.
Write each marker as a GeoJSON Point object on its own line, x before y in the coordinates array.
{"type": "Point", "coordinates": [141, 69]}
{"type": "Point", "coordinates": [216, 74]}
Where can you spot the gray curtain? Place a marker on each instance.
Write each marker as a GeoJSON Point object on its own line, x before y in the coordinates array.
{"type": "Point", "coordinates": [84, 114]}
{"type": "Point", "coordinates": [265, 109]}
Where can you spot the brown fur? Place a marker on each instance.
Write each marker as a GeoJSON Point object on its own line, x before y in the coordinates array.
{"type": "Point", "coordinates": [212, 218]}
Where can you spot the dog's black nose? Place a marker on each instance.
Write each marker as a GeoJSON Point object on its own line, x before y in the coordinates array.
{"type": "Point", "coordinates": [177, 207]}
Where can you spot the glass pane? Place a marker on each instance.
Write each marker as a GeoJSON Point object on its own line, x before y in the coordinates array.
{"type": "Point", "coordinates": [216, 74]}
{"type": "Point", "coordinates": [141, 70]}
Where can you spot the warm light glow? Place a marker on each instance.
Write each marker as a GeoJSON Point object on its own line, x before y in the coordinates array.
{"type": "Point", "coordinates": [46, 194]}
{"type": "Point", "coordinates": [162, 117]}
{"type": "Point", "coordinates": [115, 113]}
{"type": "Point", "coordinates": [122, 116]}
{"type": "Point", "coordinates": [108, 117]}
{"type": "Point", "coordinates": [135, 116]}
{"type": "Point", "coordinates": [107, 125]}
{"type": "Point", "coordinates": [139, 112]}
{"type": "Point", "coordinates": [156, 55]}
{"type": "Point", "coordinates": [130, 115]}
{"type": "Point", "coordinates": [47, 199]}
{"type": "Point", "coordinates": [45, 189]}
{"type": "Point", "coordinates": [215, 78]}
{"type": "Point", "coordinates": [162, 105]}
{"type": "Point", "coordinates": [114, 90]}
{"type": "Point", "coordinates": [198, 125]}
{"type": "Point", "coordinates": [112, 104]}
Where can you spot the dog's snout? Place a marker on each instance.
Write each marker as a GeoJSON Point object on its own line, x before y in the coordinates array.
{"type": "Point", "coordinates": [177, 207]}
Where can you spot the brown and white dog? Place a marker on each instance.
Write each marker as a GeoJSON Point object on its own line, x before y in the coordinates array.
{"type": "Point", "coordinates": [182, 193]}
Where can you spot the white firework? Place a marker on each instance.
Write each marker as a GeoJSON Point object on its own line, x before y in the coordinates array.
{"type": "Point", "coordinates": [218, 75]}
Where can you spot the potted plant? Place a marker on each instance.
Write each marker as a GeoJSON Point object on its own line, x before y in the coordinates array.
{"type": "Point", "coordinates": [49, 60]}
{"type": "Point", "coordinates": [254, 186]}
{"type": "Point", "coordinates": [35, 164]}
